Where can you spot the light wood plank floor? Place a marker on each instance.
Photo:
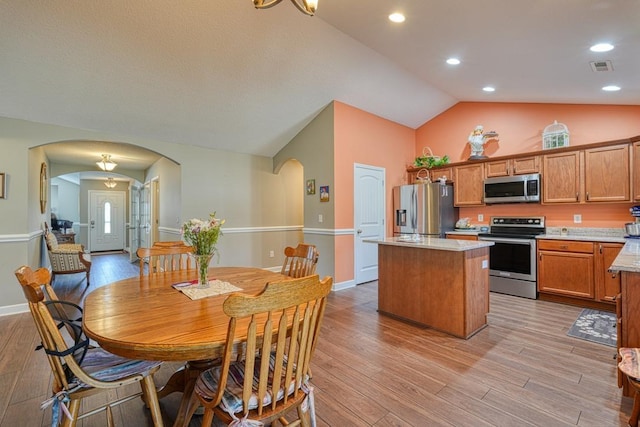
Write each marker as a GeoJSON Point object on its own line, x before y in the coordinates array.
{"type": "Point", "coordinates": [371, 370]}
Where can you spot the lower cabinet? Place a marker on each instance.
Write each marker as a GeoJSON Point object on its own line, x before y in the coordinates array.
{"type": "Point", "coordinates": [578, 271]}
{"type": "Point", "coordinates": [566, 268]}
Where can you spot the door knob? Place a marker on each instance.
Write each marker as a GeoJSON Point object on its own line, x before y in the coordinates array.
{"type": "Point", "coordinates": [359, 231]}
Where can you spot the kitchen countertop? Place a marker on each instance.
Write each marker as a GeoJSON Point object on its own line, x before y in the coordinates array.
{"type": "Point", "coordinates": [587, 234]}
{"type": "Point", "coordinates": [629, 257]}
{"type": "Point", "coordinates": [434, 243]}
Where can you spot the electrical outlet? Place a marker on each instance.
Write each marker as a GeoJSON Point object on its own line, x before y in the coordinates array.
{"type": "Point", "coordinates": [320, 218]}
{"type": "Point", "coordinates": [577, 219]}
{"type": "Point", "coordinates": [480, 217]}
{"type": "Point", "coordinates": [272, 254]}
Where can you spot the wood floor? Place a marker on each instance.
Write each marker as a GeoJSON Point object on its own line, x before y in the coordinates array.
{"type": "Point", "coordinates": [371, 370]}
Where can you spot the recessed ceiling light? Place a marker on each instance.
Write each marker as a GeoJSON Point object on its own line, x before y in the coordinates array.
{"type": "Point", "coordinates": [611, 88]}
{"type": "Point", "coordinates": [489, 89]}
{"type": "Point", "coordinates": [396, 17]}
{"type": "Point", "coordinates": [601, 47]}
{"type": "Point", "coordinates": [453, 61]}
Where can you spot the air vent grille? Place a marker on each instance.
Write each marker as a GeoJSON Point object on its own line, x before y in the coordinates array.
{"type": "Point", "coordinates": [601, 66]}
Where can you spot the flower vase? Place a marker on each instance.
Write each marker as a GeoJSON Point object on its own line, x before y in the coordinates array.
{"type": "Point", "coordinates": [202, 265]}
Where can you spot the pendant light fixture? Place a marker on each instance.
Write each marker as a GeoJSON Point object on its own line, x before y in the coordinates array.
{"type": "Point", "coordinates": [106, 164]}
{"type": "Point", "coordinates": [308, 7]}
{"type": "Point", "coordinates": [110, 183]}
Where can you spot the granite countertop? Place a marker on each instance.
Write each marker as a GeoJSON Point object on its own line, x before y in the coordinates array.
{"type": "Point", "coordinates": [433, 243]}
{"type": "Point", "coordinates": [629, 257]}
{"type": "Point", "coordinates": [587, 234]}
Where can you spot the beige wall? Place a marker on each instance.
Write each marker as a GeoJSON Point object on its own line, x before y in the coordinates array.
{"type": "Point", "coordinates": [313, 148]}
{"type": "Point", "coordinates": [263, 210]}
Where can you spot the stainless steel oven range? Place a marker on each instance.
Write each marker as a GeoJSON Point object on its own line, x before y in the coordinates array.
{"type": "Point", "coordinates": [512, 260]}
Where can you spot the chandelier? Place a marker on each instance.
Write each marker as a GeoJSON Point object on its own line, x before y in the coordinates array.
{"type": "Point", "coordinates": [307, 7]}
{"type": "Point", "coordinates": [110, 183]}
{"type": "Point", "coordinates": [106, 164]}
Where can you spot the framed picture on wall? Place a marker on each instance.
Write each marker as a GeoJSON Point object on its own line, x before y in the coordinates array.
{"type": "Point", "coordinates": [324, 193]}
{"type": "Point", "coordinates": [311, 186]}
{"type": "Point", "coordinates": [3, 186]}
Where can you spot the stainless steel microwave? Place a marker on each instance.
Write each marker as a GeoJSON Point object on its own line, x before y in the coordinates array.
{"type": "Point", "coordinates": [512, 189]}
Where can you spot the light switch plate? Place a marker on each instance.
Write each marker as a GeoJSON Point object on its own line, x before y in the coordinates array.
{"type": "Point", "coordinates": [480, 217]}
{"type": "Point", "coordinates": [320, 218]}
{"type": "Point", "coordinates": [577, 219]}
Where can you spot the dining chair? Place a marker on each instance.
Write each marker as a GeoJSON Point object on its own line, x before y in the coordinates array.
{"type": "Point", "coordinates": [79, 369]}
{"type": "Point", "coordinates": [279, 329]}
{"type": "Point", "coordinates": [300, 261]}
{"type": "Point", "coordinates": [66, 258]}
{"type": "Point", "coordinates": [162, 259]}
{"type": "Point", "coordinates": [629, 365]}
{"type": "Point", "coordinates": [169, 243]}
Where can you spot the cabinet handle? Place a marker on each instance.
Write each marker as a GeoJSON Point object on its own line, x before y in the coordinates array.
{"type": "Point", "coordinates": [600, 248]}
{"type": "Point", "coordinates": [577, 197]}
{"type": "Point", "coordinates": [540, 257]}
{"type": "Point", "coordinates": [587, 195]}
{"type": "Point", "coordinates": [564, 247]}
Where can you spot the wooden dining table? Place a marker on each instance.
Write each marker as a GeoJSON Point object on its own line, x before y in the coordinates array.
{"type": "Point", "coordinates": [146, 318]}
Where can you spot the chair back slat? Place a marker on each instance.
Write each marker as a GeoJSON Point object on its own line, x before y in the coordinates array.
{"type": "Point", "coordinates": [161, 259]}
{"type": "Point", "coordinates": [281, 326]}
{"type": "Point", "coordinates": [300, 261]}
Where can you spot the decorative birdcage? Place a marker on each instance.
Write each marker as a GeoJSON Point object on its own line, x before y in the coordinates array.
{"type": "Point", "coordinates": [555, 135]}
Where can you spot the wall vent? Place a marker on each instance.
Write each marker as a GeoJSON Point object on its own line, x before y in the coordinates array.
{"type": "Point", "coordinates": [601, 66]}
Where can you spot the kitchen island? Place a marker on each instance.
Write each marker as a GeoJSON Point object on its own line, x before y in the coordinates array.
{"type": "Point", "coordinates": [627, 264]}
{"type": "Point", "coordinates": [439, 283]}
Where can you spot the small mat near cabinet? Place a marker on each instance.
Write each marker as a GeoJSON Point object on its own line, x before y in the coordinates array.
{"type": "Point", "coordinates": [595, 326]}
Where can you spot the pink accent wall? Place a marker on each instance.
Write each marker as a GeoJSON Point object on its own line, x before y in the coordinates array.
{"type": "Point", "coordinates": [520, 128]}
{"type": "Point", "coordinates": [361, 137]}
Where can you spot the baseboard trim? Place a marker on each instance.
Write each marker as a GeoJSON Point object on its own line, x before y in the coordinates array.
{"type": "Point", "coordinates": [14, 309]}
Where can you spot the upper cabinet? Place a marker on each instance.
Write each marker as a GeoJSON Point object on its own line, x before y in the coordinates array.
{"type": "Point", "coordinates": [516, 166]}
{"type": "Point", "coordinates": [604, 172]}
{"type": "Point", "coordinates": [561, 177]}
{"type": "Point", "coordinates": [599, 174]}
{"type": "Point", "coordinates": [468, 187]}
{"type": "Point", "coordinates": [607, 174]}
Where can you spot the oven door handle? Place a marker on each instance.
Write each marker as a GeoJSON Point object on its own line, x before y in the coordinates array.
{"type": "Point", "coordinates": [507, 240]}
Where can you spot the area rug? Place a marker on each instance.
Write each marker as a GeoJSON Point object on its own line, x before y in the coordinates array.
{"type": "Point", "coordinates": [595, 326]}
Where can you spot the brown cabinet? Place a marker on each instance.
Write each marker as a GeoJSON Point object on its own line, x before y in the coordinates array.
{"type": "Point", "coordinates": [517, 166]}
{"type": "Point", "coordinates": [636, 171]}
{"type": "Point", "coordinates": [441, 172]}
{"type": "Point", "coordinates": [606, 174]}
{"type": "Point", "coordinates": [607, 284]}
{"type": "Point", "coordinates": [561, 177]}
{"type": "Point", "coordinates": [629, 321]}
{"type": "Point", "coordinates": [468, 188]}
{"type": "Point", "coordinates": [566, 267]}
{"type": "Point", "coordinates": [599, 174]}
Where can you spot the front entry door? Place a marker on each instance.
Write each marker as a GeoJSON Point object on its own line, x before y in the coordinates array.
{"type": "Point", "coordinates": [369, 212]}
{"type": "Point", "coordinates": [106, 220]}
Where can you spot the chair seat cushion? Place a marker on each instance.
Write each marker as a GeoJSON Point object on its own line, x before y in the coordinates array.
{"type": "Point", "coordinates": [207, 385]}
{"type": "Point", "coordinates": [629, 365]}
{"type": "Point", "coordinates": [105, 366]}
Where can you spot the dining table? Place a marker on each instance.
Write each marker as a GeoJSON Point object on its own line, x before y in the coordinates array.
{"type": "Point", "coordinates": [145, 317]}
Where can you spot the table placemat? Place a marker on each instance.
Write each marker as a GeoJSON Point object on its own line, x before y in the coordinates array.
{"type": "Point", "coordinates": [216, 287]}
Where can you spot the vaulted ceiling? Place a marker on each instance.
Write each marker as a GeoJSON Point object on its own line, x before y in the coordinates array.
{"type": "Point", "coordinates": [218, 73]}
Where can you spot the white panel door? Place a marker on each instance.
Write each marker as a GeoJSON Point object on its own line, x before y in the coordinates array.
{"type": "Point", "coordinates": [106, 220]}
{"type": "Point", "coordinates": [134, 222]}
{"type": "Point", "coordinates": [145, 216]}
{"type": "Point", "coordinates": [369, 212]}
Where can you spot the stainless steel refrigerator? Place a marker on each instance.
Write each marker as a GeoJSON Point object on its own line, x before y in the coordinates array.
{"type": "Point", "coordinates": [424, 209]}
